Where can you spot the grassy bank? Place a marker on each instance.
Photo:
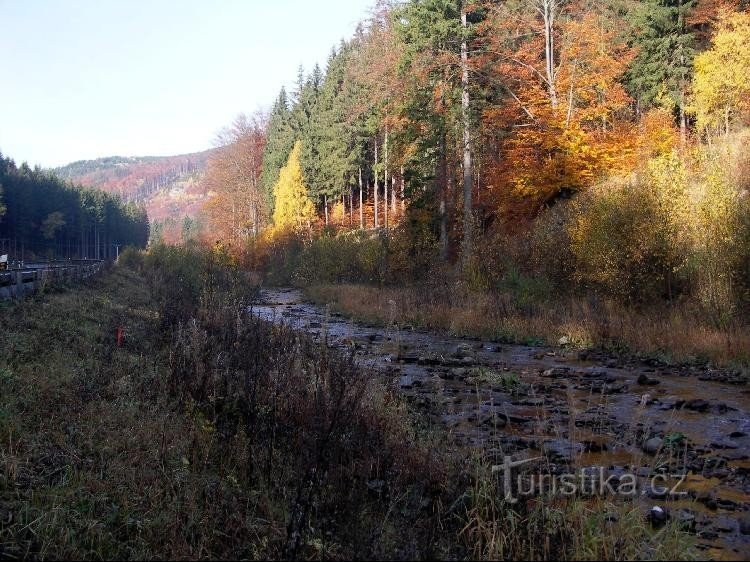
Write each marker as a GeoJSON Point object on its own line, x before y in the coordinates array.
{"type": "Point", "coordinates": [209, 434]}
{"type": "Point", "coordinates": [518, 316]}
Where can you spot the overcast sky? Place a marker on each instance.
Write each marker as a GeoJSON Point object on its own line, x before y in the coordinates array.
{"type": "Point", "coordinates": [84, 79]}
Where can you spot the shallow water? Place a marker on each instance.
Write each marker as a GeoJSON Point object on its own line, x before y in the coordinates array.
{"type": "Point", "coordinates": [577, 410]}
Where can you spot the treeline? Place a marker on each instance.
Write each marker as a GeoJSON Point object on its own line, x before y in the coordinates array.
{"type": "Point", "coordinates": [45, 217]}
{"type": "Point", "coordinates": [482, 112]}
{"type": "Point", "coordinates": [603, 137]}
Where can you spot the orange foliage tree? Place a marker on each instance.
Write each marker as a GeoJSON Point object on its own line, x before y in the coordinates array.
{"type": "Point", "coordinates": [568, 118]}
{"type": "Point", "coordinates": [236, 209]}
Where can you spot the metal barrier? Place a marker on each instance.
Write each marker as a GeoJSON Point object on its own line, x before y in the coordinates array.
{"type": "Point", "coordinates": [16, 284]}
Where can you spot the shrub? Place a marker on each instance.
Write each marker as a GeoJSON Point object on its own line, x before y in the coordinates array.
{"type": "Point", "coordinates": [131, 258]}
{"type": "Point", "coordinates": [630, 237]}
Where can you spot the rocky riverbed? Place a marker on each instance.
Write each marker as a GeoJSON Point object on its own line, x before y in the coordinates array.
{"type": "Point", "coordinates": [573, 410]}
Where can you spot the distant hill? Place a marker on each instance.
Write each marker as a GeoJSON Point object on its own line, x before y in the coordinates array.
{"type": "Point", "coordinates": [171, 187]}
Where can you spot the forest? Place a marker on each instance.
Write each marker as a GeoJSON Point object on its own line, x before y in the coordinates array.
{"type": "Point", "coordinates": [43, 217]}
{"type": "Point", "coordinates": [548, 147]}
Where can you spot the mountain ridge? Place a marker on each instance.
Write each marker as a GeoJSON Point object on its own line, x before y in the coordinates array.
{"type": "Point", "coordinates": [170, 187]}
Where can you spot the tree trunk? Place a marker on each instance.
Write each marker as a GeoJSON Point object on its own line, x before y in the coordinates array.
{"type": "Point", "coordinates": [325, 206]}
{"type": "Point", "coordinates": [547, 9]}
{"type": "Point", "coordinates": [403, 191]}
{"type": "Point", "coordinates": [361, 202]}
{"type": "Point", "coordinates": [442, 178]}
{"type": "Point", "coordinates": [393, 195]}
{"type": "Point", "coordinates": [385, 180]}
{"type": "Point", "coordinates": [375, 187]}
{"type": "Point", "coordinates": [468, 220]}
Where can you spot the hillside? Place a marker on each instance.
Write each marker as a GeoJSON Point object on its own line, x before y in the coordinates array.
{"type": "Point", "coordinates": [169, 186]}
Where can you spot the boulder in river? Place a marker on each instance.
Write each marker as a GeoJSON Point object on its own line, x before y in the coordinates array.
{"type": "Point", "coordinates": [658, 516]}
{"type": "Point", "coordinates": [697, 405]}
{"type": "Point", "coordinates": [644, 380]}
{"type": "Point", "coordinates": [653, 445]}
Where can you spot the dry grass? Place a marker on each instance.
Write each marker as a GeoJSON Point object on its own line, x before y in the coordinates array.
{"type": "Point", "coordinates": [672, 334]}
{"type": "Point", "coordinates": [229, 438]}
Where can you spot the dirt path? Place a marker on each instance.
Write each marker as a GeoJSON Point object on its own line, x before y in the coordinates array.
{"type": "Point", "coordinates": [574, 408]}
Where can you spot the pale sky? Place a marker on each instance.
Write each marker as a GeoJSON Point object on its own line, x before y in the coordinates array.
{"type": "Point", "coordinates": [82, 79]}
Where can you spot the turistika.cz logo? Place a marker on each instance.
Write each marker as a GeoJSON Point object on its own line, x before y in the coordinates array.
{"type": "Point", "coordinates": [589, 481]}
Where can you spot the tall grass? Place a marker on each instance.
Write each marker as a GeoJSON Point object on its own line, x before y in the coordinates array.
{"type": "Point", "coordinates": [211, 434]}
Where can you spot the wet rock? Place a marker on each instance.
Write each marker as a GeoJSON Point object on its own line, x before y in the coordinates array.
{"type": "Point", "coordinates": [734, 455]}
{"type": "Point", "coordinates": [723, 408]}
{"type": "Point", "coordinates": [459, 373]}
{"type": "Point", "coordinates": [612, 363]}
{"type": "Point", "coordinates": [614, 388]}
{"type": "Point", "coordinates": [686, 519]}
{"type": "Point", "coordinates": [563, 341]}
{"type": "Point", "coordinates": [676, 405]}
{"type": "Point", "coordinates": [494, 421]}
{"type": "Point", "coordinates": [428, 360]}
{"type": "Point", "coordinates": [745, 525]}
{"type": "Point", "coordinates": [560, 449]}
{"type": "Point", "coordinates": [697, 405]}
{"type": "Point", "coordinates": [708, 499]}
{"type": "Point", "coordinates": [595, 445]}
{"type": "Point", "coordinates": [408, 358]}
{"type": "Point", "coordinates": [723, 525]}
{"type": "Point", "coordinates": [463, 350]}
{"type": "Point", "coordinates": [406, 382]}
{"type": "Point", "coordinates": [726, 504]}
{"type": "Point", "coordinates": [644, 380]}
{"type": "Point", "coordinates": [658, 516]}
{"type": "Point", "coordinates": [556, 372]}
{"type": "Point", "coordinates": [529, 402]}
{"type": "Point", "coordinates": [653, 445]}
{"type": "Point", "coordinates": [510, 418]}
{"type": "Point", "coordinates": [725, 444]}
{"type": "Point", "coordinates": [737, 434]}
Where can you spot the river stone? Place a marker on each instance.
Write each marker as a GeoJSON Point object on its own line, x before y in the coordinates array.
{"type": "Point", "coordinates": [556, 372]}
{"type": "Point", "coordinates": [697, 405]}
{"type": "Point", "coordinates": [653, 445]}
{"type": "Point", "coordinates": [657, 515]}
{"type": "Point", "coordinates": [725, 444]}
{"type": "Point", "coordinates": [560, 449]}
{"type": "Point", "coordinates": [686, 518]}
{"type": "Point", "coordinates": [734, 455]}
{"type": "Point", "coordinates": [643, 380]}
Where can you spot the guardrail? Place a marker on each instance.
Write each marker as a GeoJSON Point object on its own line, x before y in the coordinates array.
{"type": "Point", "coordinates": [17, 283]}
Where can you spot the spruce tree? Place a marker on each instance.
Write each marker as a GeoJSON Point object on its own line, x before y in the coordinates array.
{"type": "Point", "coordinates": [280, 141]}
{"type": "Point", "coordinates": [662, 69]}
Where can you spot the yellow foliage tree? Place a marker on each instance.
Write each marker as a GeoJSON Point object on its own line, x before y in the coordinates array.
{"type": "Point", "coordinates": [721, 85]}
{"type": "Point", "coordinates": [294, 210]}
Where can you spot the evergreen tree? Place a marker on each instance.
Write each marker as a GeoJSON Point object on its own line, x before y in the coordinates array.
{"type": "Point", "coordinates": [662, 68]}
{"type": "Point", "coordinates": [280, 141]}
